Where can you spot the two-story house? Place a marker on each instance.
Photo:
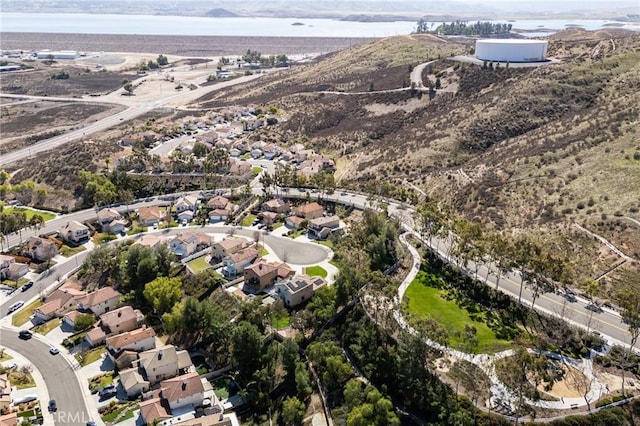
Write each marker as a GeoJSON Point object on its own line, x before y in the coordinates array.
{"type": "Point", "coordinates": [10, 269]}
{"type": "Point", "coordinates": [183, 391]}
{"type": "Point", "coordinates": [322, 227]}
{"type": "Point", "coordinates": [149, 216]}
{"type": "Point", "coordinates": [276, 205]}
{"type": "Point", "coordinates": [57, 303]}
{"type": "Point", "coordinates": [227, 247]}
{"type": "Point", "coordinates": [111, 221]}
{"type": "Point", "coordinates": [188, 202]}
{"type": "Point", "coordinates": [163, 363]}
{"type": "Point", "coordinates": [40, 249]}
{"type": "Point", "coordinates": [99, 301]}
{"type": "Point", "coordinates": [123, 348]}
{"type": "Point", "coordinates": [298, 289]}
{"type": "Point", "coordinates": [261, 274]}
{"type": "Point", "coordinates": [235, 263]}
{"type": "Point", "coordinates": [309, 211]}
{"type": "Point", "coordinates": [189, 242]}
{"type": "Point", "coordinates": [114, 322]}
{"type": "Point", "coordinates": [74, 232]}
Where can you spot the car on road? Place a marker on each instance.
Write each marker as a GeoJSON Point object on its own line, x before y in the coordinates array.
{"type": "Point", "coordinates": [53, 406]}
{"type": "Point", "coordinates": [25, 334]}
{"type": "Point", "coordinates": [14, 307]}
{"type": "Point", "coordinates": [570, 297]}
{"type": "Point", "coordinates": [27, 286]}
{"type": "Point", "coordinates": [594, 308]}
{"type": "Point", "coordinates": [91, 423]}
{"type": "Point", "coordinates": [54, 351]}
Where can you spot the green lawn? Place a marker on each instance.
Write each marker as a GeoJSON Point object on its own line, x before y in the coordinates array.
{"type": "Point", "coordinates": [4, 356]}
{"type": "Point", "coordinates": [115, 411]}
{"type": "Point", "coordinates": [427, 301]}
{"type": "Point", "coordinates": [12, 283]}
{"type": "Point", "coordinates": [315, 271]}
{"type": "Point", "coordinates": [103, 237]}
{"type": "Point", "coordinates": [30, 212]}
{"type": "Point", "coordinates": [248, 220]}
{"type": "Point", "coordinates": [277, 225]}
{"type": "Point", "coordinates": [256, 170]}
{"type": "Point", "coordinates": [199, 264]}
{"type": "Point", "coordinates": [92, 355]}
{"type": "Point", "coordinates": [47, 326]}
{"type": "Point", "coordinates": [101, 380]}
{"type": "Point", "coordinates": [21, 380]}
{"type": "Point", "coordinates": [298, 232]}
{"type": "Point", "coordinates": [325, 243]}
{"type": "Point", "coordinates": [23, 315]}
{"type": "Point", "coordinates": [279, 322]}
{"type": "Point", "coordinates": [67, 251]}
{"type": "Point", "coordinates": [263, 250]}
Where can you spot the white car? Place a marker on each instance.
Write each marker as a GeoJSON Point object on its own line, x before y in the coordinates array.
{"type": "Point", "coordinates": [16, 306]}
{"type": "Point", "coordinates": [54, 351]}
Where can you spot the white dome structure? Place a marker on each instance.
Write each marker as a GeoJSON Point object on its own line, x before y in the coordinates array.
{"type": "Point", "coordinates": [511, 50]}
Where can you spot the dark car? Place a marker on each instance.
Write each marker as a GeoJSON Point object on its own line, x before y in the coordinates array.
{"type": "Point", "coordinates": [27, 286]}
{"type": "Point", "coordinates": [25, 334]}
{"type": "Point", "coordinates": [107, 393]}
{"type": "Point", "coordinates": [53, 407]}
{"type": "Point", "coordinates": [594, 308]}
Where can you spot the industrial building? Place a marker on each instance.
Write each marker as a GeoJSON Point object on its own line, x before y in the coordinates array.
{"type": "Point", "coordinates": [511, 50]}
{"type": "Point", "coordinates": [60, 54]}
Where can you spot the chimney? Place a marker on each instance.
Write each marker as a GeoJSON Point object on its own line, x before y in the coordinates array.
{"type": "Point", "coordinates": [119, 314]}
{"type": "Point", "coordinates": [184, 384]}
{"type": "Point", "coordinates": [159, 355]}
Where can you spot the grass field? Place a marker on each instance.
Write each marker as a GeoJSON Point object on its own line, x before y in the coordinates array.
{"type": "Point", "coordinates": [316, 271]}
{"type": "Point", "coordinates": [4, 356]}
{"type": "Point", "coordinates": [30, 212]}
{"type": "Point", "coordinates": [427, 301]}
{"type": "Point", "coordinates": [248, 220]}
{"type": "Point", "coordinates": [67, 251]}
{"type": "Point", "coordinates": [47, 326]}
{"type": "Point", "coordinates": [279, 322]}
{"type": "Point", "coordinates": [199, 264]}
{"type": "Point", "coordinates": [23, 315]}
{"type": "Point", "coordinates": [21, 380]}
{"type": "Point", "coordinates": [92, 355]}
{"type": "Point", "coordinates": [256, 170]}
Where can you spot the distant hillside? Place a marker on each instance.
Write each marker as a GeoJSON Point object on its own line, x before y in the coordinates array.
{"type": "Point", "coordinates": [524, 150]}
{"type": "Point", "coordinates": [221, 13]}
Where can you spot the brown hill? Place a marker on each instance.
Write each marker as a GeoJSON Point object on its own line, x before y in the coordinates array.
{"type": "Point", "coordinates": [525, 150]}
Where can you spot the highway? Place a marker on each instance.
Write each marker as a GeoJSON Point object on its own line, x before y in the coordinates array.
{"type": "Point", "coordinates": [59, 376]}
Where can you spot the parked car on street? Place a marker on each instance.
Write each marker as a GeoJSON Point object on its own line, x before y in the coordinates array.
{"type": "Point", "coordinates": [16, 306]}
{"type": "Point", "coordinates": [27, 286]}
{"type": "Point", "coordinates": [594, 308]}
{"type": "Point", "coordinates": [25, 334]}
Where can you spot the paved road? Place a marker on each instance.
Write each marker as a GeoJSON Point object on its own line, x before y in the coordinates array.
{"type": "Point", "coordinates": [60, 378]}
{"type": "Point", "coordinates": [135, 109]}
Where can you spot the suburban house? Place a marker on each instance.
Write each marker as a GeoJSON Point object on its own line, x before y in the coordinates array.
{"type": "Point", "coordinates": [185, 216]}
{"type": "Point", "coordinates": [123, 348]}
{"type": "Point", "coordinates": [108, 215]}
{"type": "Point", "coordinates": [189, 243]}
{"type": "Point", "coordinates": [239, 167]}
{"type": "Point", "coordinates": [133, 382]}
{"type": "Point", "coordinates": [99, 301]}
{"type": "Point", "coordinates": [235, 263]}
{"type": "Point", "coordinates": [228, 246]}
{"type": "Point", "coordinates": [309, 210]}
{"type": "Point", "coordinates": [293, 222]}
{"type": "Point", "coordinates": [149, 216]}
{"type": "Point", "coordinates": [111, 221]}
{"type": "Point", "coordinates": [218, 202]}
{"type": "Point", "coordinates": [323, 226]}
{"type": "Point", "coordinates": [262, 274]}
{"type": "Point", "coordinates": [183, 391]}
{"type": "Point", "coordinates": [10, 269]}
{"type": "Point", "coordinates": [74, 232]}
{"type": "Point", "coordinates": [10, 419]}
{"type": "Point", "coordinates": [57, 303]}
{"type": "Point", "coordinates": [268, 218]}
{"type": "Point", "coordinates": [188, 202]}
{"type": "Point", "coordinates": [40, 249]}
{"type": "Point", "coordinates": [298, 289]}
{"type": "Point", "coordinates": [154, 409]}
{"type": "Point", "coordinates": [5, 392]}
{"type": "Point", "coordinates": [219, 215]}
{"type": "Point", "coordinates": [70, 318]}
{"type": "Point", "coordinates": [151, 241]}
{"type": "Point", "coordinates": [114, 322]}
{"type": "Point", "coordinates": [276, 205]}
{"type": "Point", "coordinates": [163, 363]}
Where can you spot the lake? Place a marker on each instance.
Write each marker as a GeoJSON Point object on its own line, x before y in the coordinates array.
{"type": "Point", "coordinates": [239, 26]}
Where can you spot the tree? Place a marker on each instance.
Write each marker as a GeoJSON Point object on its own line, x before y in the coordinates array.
{"type": "Point", "coordinates": [97, 189]}
{"type": "Point", "coordinates": [162, 60]}
{"type": "Point", "coordinates": [438, 83]}
{"type": "Point", "coordinates": [128, 87]}
{"type": "Point", "coordinates": [247, 349]}
{"type": "Point", "coordinates": [290, 357]}
{"type": "Point", "coordinates": [162, 293]}
{"type": "Point", "coordinates": [630, 303]}
{"type": "Point", "coordinates": [83, 322]}
{"type": "Point", "coordinates": [292, 411]}
{"type": "Point", "coordinates": [303, 382]}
